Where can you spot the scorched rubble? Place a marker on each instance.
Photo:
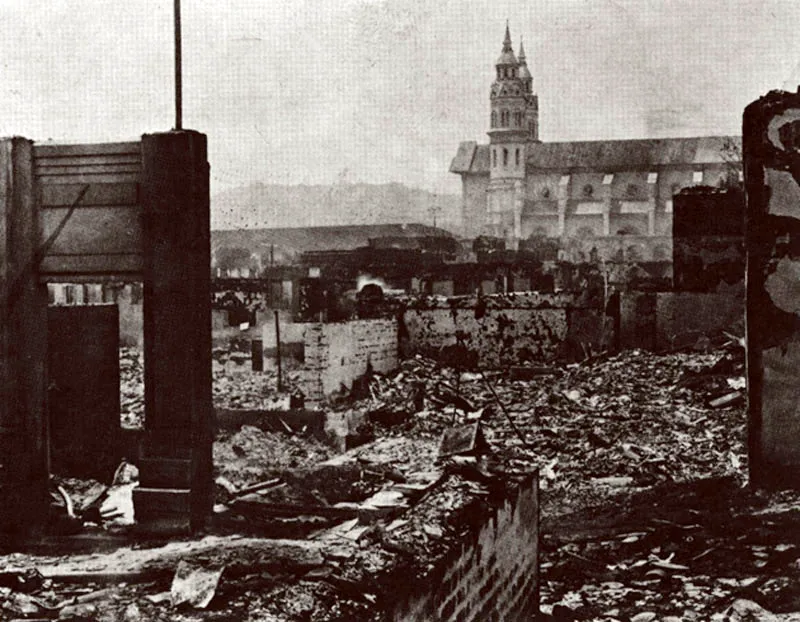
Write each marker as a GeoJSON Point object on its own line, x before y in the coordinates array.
{"type": "Point", "coordinates": [642, 470]}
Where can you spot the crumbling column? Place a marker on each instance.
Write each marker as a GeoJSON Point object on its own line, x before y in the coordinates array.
{"type": "Point", "coordinates": [175, 469]}
{"type": "Point", "coordinates": [771, 145]}
{"type": "Point", "coordinates": [23, 346]}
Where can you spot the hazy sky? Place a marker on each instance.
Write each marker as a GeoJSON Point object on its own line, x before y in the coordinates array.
{"type": "Point", "coordinates": [321, 91]}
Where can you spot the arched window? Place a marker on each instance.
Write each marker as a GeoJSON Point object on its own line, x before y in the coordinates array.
{"type": "Point", "coordinates": [494, 157]}
{"type": "Point", "coordinates": [517, 156]}
{"type": "Point", "coordinates": [505, 156]}
{"type": "Point", "coordinates": [494, 118]}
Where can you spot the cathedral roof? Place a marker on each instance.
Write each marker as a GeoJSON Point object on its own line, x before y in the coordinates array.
{"type": "Point", "coordinates": [632, 155]}
{"type": "Point", "coordinates": [607, 155]}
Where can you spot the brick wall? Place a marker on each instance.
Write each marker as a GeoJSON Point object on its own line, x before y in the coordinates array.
{"type": "Point", "coordinates": [493, 575]}
{"type": "Point", "coordinates": [338, 354]}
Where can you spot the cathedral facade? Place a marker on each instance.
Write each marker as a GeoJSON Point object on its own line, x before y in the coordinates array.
{"type": "Point", "coordinates": [595, 192]}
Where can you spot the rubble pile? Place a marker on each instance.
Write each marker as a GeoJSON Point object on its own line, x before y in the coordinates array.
{"type": "Point", "coordinates": [629, 421]}
{"type": "Point", "coordinates": [231, 388]}
{"type": "Point", "coordinates": [131, 387]}
{"type": "Point", "coordinates": [706, 550]}
{"type": "Point", "coordinates": [252, 390]}
{"type": "Point", "coordinates": [251, 455]}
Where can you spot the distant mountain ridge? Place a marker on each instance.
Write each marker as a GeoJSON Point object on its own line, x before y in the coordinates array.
{"type": "Point", "coordinates": [271, 206]}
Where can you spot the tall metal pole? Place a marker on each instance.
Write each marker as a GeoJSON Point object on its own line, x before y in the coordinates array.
{"type": "Point", "coordinates": [178, 74]}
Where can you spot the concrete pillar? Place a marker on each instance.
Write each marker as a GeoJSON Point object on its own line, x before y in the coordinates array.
{"type": "Point", "coordinates": [175, 471]}
{"type": "Point", "coordinates": [562, 215]}
{"type": "Point", "coordinates": [23, 346]}
{"type": "Point", "coordinates": [651, 219]}
{"type": "Point", "coordinates": [771, 136]}
{"type": "Point", "coordinates": [606, 217]}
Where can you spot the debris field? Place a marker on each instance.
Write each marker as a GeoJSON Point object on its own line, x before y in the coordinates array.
{"type": "Point", "coordinates": [645, 510]}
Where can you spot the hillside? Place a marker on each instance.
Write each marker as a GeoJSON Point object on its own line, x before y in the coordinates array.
{"type": "Point", "coordinates": [272, 206]}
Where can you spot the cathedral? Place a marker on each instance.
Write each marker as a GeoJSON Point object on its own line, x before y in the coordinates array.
{"type": "Point", "coordinates": [589, 193]}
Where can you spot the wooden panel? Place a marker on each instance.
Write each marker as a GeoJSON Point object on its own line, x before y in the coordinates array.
{"type": "Point", "coordinates": [103, 235]}
{"type": "Point", "coordinates": [64, 195]}
{"type": "Point", "coordinates": [165, 473]}
{"type": "Point", "coordinates": [160, 501]}
{"type": "Point", "coordinates": [94, 230]}
{"type": "Point", "coordinates": [44, 151]}
{"type": "Point", "coordinates": [123, 265]}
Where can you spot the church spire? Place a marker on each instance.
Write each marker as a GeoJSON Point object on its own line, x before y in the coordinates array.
{"type": "Point", "coordinates": [524, 73]}
{"type": "Point", "coordinates": [507, 63]}
{"type": "Point", "coordinates": [507, 40]}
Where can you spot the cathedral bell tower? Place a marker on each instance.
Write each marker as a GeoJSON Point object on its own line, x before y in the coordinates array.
{"type": "Point", "coordinates": [513, 124]}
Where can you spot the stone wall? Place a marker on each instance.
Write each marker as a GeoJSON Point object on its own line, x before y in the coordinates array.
{"type": "Point", "coordinates": [338, 354]}
{"type": "Point", "coordinates": [502, 330]}
{"type": "Point", "coordinates": [708, 233]}
{"type": "Point", "coordinates": [667, 320]}
{"type": "Point", "coordinates": [491, 576]}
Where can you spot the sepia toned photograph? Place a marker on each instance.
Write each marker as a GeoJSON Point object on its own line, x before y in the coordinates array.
{"type": "Point", "coordinates": [400, 311]}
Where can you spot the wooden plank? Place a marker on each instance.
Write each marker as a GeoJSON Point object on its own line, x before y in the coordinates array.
{"type": "Point", "coordinates": [125, 266]}
{"type": "Point", "coordinates": [89, 169]}
{"type": "Point", "coordinates": [94, 230]}
{"type": "Point", "coordinates": [89, 278]}
{"type": "Point", "coordinates": [43, 151]}
{"type": "Point", "coordinates": [113, 159]}
{"type": "Point", "coordinates": [58, 195]}
{"type": "Point", "coordinates": [91, 178]}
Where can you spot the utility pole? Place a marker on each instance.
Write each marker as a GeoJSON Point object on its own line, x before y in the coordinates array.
{"type": "Point", "coordinates": [178, 69]}
{"type": "Point", "coordinates": [433, 210]}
